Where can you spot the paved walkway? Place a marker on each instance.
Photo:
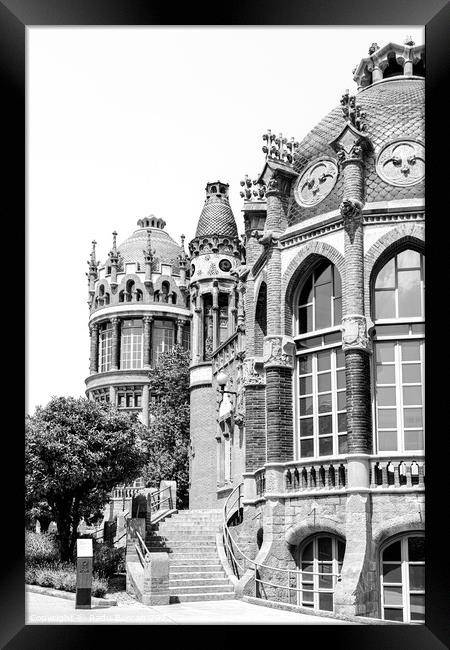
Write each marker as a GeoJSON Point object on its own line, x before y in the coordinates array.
{"type": "Point", "coordinates": [44, 610]}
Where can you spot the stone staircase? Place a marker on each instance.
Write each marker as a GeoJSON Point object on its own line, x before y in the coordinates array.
{"type": "Point", "coordinates": [195, 570]}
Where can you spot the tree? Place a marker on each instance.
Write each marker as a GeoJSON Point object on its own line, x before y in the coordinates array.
{"type": "Point", "coordinates": [76, 451]}
{"type": "Point", "coordinates": [168, 434]}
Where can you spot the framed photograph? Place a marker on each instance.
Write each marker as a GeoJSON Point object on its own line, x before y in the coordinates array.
{"type": "Point", "coordinates": [224, 232]}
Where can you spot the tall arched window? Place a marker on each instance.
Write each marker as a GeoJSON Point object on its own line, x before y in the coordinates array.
{"type": "Point", "coordinates": [320, 563]}
{"type": "Point", "coordinates": [321, 407]}
{"type": "Point", "coordinates": [131, 344]}
{"type": "Point", "coordinates": [105, 347]}
{"type": "Point", "coordinates": [403, 579]}
{"type": "Point", "coordinates": [399, 352]}
{"type": "Point", "coordinates": [163, 338]}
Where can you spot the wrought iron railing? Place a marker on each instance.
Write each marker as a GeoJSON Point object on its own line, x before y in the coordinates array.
{"type": "Point", "coordinates": [240, 562]}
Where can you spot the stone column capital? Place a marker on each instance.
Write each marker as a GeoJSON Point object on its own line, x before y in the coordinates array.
{"type": "Point", "coordinates": [355, 333]}
{"type": "Point", "coordinates": [115, 320]}
{"type": "Point", "coordinates": [148, 319]}
{"type": "Point", "coordinates": [250, 376]}
{"type": "Point", "coordinates": [279, 351]}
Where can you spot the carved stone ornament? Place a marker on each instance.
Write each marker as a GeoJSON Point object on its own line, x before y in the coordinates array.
{"type": "Point", "coordinates": [354, 333]}
{"type": "Point", "coordinates": [315, 183]}
{"type": "Point", "coordinates": [279, 351]}
{"type": "Point", "coordinates": [249, 374]}
{"type": "Point", "coordinates": [402, 163]}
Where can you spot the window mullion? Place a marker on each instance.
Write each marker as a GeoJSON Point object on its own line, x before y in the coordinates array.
{"type": "Point", "coordinates": [334, 398]}
{"type": "Point", "coordinates": [315, 388]}
{"type": "Point", "coordinates": [398, 389]}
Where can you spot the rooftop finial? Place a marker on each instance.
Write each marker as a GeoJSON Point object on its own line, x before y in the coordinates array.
{"type": "Point", "coordinates": [114, 241]}
{"type": "Point", "coordinates": [278, 148]}
{"type": "Point", "coordinates": [182, 237]}
{"type": "Point", "coordinates": [373, 48]}
{"type": "Point", "coordinates": [248, 194]}
{"type": "Point", "coordinates": [93, 259]}
{"type": "Point", "coordinates": [409, 41]}
{"type": "Point", "coordinates": [352, 112]}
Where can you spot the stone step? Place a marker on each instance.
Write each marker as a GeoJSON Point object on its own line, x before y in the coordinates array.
{"type": "Point", "coordinates": [187, 583]}
{"type": "Point", "coordinates": [207, 573]}
{"type": "Point", "coordinates": [187, 527]}
{"type": "Point", "coordinates": [180, 537]}
{"type": "Point", "coordinates": [198, 544]}
{"type": "Point", "coordinates": [190, 555]}
{"type": "Point", "coordinates": [190, 598]}
{"type": "Point", "coordinates": [198, 589]}
{"type": "Point", "coordinates": [193, 563]}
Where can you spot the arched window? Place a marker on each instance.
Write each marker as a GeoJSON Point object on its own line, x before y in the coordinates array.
{"type": "Point", "coordinates": [261, 319]}
{"type": "Point", "coordinates": [320, 300]}
{"type": "Point", "coordinates": [321, 407]}
{"type": "Point", "coordinates": [163, 338]}
{"type": "Point", "coordinates": [131, 344]}
{"type": "Point", "coordinates": [105, 347]}
{"type": "Point", "coordinates": [399, 352]}
{"type": "Point", "coordinates": [138, 295]}
{"type": "Point", "coordinates": [402, 577]}
{"type": "Point", "coordinates": [320, 563]}
{"type": "Point", "coordinates": [165, 288]}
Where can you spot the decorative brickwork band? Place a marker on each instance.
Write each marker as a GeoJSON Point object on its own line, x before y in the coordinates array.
{"type": "Point", "coordinates": [148, 320]}
{"type": "Point", "coordinates": [255, 426]}
{"type": "Point", "coordinates": [280, 436]}
{"type": "Point", "coordinates": [93, 366]}
{"type": "Point", "coordinates": [115, 353]}
{"type": "Point", "coordinates": [279, 352]}
{"type": "Point", "coordinates": [355, 333]}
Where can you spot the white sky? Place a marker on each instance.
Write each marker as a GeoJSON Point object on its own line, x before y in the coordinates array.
{"type": "Point", "coordinates": [125, 122]}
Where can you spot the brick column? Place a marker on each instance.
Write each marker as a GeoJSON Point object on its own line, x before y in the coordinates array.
{"type": "Point", "coordinates": [147, 342]}
{"type": "Point", "coordinates": [93, 360]}
{"type": "Point", "coordinates": [278, 349]}
{"type": "Point", "coordinates": [351, 146]}
{"type": "Point", "coordinates": [255, 417]}
{"type": "Point", "coordinates": [115, 353]}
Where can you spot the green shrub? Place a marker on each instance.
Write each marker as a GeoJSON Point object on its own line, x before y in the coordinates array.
{"type": "Point", "coordinates": [107, 560]}
{"type": "Point", "coordinates": [40, 548]}
{"type": "Point", "coordinates": [99, 586]}
{"type": "Point", "coordinates": [64, 577]}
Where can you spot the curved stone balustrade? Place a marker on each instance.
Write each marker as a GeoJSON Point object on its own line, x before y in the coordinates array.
{"type": "Point", "coordinates": [315, 475]}
{"type": "Point", "coordinates": [402, 471]}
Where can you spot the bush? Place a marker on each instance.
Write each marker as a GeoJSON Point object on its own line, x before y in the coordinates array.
{"type": "Point", "coordinates": [64, 577]}
{"type": "Point", "coordinates": [107, 560]}
{"type": "Point", "coordinates": [40, 548]}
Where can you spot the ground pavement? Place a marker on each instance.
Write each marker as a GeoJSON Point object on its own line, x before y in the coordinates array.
{"type": "Point", "coordinates": [44, 610]}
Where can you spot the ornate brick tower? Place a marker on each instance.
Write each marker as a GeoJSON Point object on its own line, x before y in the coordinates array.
{"type": "Point", "coordinates": [215, 253]}
{"type": "Point", "coordinates": [138, 303]}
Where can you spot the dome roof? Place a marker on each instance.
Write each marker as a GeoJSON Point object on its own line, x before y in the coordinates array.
{"type": "Point", "coordinates": [216, 217]}
{"type": "Point", "coordinates": [166, 249]}
{"type": "Point", "coordinates": [395, 109]}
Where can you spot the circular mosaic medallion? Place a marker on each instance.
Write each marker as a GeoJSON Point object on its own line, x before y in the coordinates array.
{"type": "Point", "coordinates": [402, 163]}
{"type": "Point", "coordinates": [225, 265]}
{"type": "Point", "coordinates": [316, 182]}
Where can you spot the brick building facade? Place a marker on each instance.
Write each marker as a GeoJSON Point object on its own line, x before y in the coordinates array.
{"type": "Point", "coordinates": [312, 397]}
{"type": "Point", "coordinates": [307, 344]}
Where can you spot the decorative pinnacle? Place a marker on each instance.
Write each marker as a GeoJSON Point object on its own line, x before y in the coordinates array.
{"type": "Point", "coordinates": [114, 241]}
{"type": "Point", "coordinates": [352, 112]}
{"type": "Point", "coordinates": [149, 252]}
{"type": "Point", "coordinates": [373, 48]}
{"type": "Point", "coordinates": [409, 41]}
{"type": "Point", "coordinates": [278, 148]}
{"type": "Point", "coordinates": [258, 194]}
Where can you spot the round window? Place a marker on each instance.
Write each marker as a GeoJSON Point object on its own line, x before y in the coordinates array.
{"type": "Point", "coordinates": [225, 265]}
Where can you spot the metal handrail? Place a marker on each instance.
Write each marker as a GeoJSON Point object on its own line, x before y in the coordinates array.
{"type": "Point", "coordinates": [229, 542]}
{"type": "Point", "coordinates": [155, 507]}
{"type": "Point", "coordinates": [142, 550]}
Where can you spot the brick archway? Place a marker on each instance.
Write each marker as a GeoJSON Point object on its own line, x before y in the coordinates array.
{"type": "Point", "coordinates": [301, 265]}
{"type": "Point", "coordinates": [405, 234]}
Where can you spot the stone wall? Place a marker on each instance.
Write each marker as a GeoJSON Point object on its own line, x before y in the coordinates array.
{"type": "Point", "coordinates": [203, 464]}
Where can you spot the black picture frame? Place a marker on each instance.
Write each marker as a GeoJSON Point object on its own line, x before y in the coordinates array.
{"type": "Point", "coordinates": [15, 16]}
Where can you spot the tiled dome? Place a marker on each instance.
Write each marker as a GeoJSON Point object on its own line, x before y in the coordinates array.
{"type": "Point", "coordinates": [216, 217]}
{"type": "Point", "coordinates": [166, 249]}
{"type": "Point", "coordinates": [394, 109]}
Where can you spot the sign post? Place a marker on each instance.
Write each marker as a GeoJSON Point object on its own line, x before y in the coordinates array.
{"type": "Point", "coordinates": [84, 573]}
